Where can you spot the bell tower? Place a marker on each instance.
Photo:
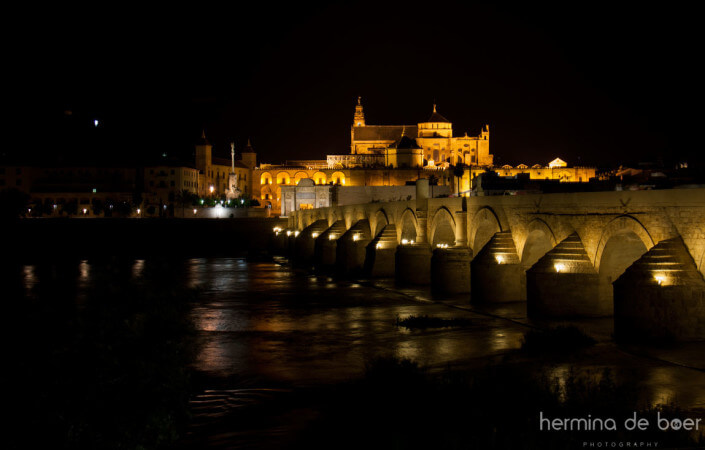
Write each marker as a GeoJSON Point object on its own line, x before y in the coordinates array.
{"type": "Point", "coordinates": [359, 118]}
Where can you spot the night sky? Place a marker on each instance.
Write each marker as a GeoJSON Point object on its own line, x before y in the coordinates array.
{"type": "Point", "coordinates": [597, 84]}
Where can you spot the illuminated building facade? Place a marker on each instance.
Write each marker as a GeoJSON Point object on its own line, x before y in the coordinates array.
{"type": "Point", "coordinates": [434, 138]}
{"type": "Point", "coordinates": [214, 174]}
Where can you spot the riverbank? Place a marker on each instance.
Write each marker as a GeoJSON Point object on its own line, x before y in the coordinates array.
{"type": "Point", "coordinates": [30, 239]}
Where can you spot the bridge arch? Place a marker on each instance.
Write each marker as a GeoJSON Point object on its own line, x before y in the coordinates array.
{"type": "Point", "coordinates": [332, 216]}
{"type": "Point", "coordinates": [482, 227]}
{"type": "Point", "coordinates": [623, 241]}
{"type": "Point", "coordinates": [539, 240]}
{"type": "Point", "coordinates": [379, 221]}
{"type": "Point", "coordinates": [408, 226]}
{"type": "Point", "coordinates": [623, 227]}
{"type": "Point", "coordinates": [442, 228]}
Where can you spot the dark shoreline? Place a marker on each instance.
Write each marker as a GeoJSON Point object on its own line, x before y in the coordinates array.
{"type": "Point", "coordinates": [32, 239]}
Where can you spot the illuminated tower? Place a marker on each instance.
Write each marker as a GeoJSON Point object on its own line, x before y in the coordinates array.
{"type": "Point", "coordinates": [359, 118]}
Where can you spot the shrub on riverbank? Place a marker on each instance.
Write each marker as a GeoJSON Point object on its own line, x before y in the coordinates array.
{"type": "Point", "coordinates": [399, 404]}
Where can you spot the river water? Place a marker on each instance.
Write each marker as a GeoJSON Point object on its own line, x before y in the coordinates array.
{"type": "Point", "coordinates": [266, 330]}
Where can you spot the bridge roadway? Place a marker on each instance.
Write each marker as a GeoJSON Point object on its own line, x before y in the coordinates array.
{"type": "Point", "coordinates": [639, 255]}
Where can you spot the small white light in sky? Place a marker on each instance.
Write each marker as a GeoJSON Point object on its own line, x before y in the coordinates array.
{"type": "Point", "coordinates": [95, 122]}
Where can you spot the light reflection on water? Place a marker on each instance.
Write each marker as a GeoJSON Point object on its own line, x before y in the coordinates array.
{"type": "Point", "coordinates": [138, 268]}
{"type": "Point", "coordinates": [262, 320]}
{"type": "Point", "coordinates": [30, 279]}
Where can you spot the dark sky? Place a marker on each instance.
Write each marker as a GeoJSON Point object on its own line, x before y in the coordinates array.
{"type": "Point", "coordinates": [595, 84]}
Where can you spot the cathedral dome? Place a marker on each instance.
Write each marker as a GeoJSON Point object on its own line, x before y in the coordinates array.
{"type": "Point", "coordinates": [437, 118]}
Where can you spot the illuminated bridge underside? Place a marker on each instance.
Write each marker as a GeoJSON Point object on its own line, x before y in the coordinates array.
{"type": "Point", "coordinates": [566, 254]}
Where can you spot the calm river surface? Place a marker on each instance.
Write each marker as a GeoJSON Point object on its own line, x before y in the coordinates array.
{"type": "Point", "coordinates": [266, 329]}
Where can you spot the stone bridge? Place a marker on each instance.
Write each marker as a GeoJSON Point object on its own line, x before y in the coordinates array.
{"type": "Point", "coordinates": [637, 254]}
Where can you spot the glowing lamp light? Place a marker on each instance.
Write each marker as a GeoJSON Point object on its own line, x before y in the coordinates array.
{"type": "Point", "coordinates": [242, 202]}
{"type": "Point", "coordinates": [96, 122]}
{"type": "Point", "coordinates": [276, 229]}
{"type": "Point", "coordinates": [331, 237]}
{"type": "Point", "coordinates": [560, 267]}
{"type": "Point", "coordinates": [356, 237]}
{"type": "Point", "coordinates": [379, 245]}
{"type": "Point", "coordinates": [404, 241]}
{"type": "Point", "coordinates": [201, 201]}
{"type": "Point", "coordinates": [314, 235]}
{"type": "Point", "coordinates": [85, 210]}
{"type": "Point", "coordinates": [138, 210]}
{"type": "Point", "coordinates": [296, 233]}
{"type": "Point", "coordinates": [211, 189]}
{"type": "Point", "coordinates": [660, 279]}
{"type": "Point", "coordinates": [195, 211]}
{"type": "Point", "coordinates": [288, 233]}
{"type": "Point", "coordinates": [499, 258]}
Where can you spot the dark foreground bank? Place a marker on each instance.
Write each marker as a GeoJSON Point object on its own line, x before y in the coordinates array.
{"type": "Point", "coordinates": [139, 238]}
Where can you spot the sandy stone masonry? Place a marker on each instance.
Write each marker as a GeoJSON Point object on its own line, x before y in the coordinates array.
{"type": "Point", "coordinates": [599, 236]}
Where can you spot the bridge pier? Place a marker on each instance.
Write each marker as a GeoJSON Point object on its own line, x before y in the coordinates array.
{"type": "Point", "coordinates": [450, 270]}
{"type": "Point", "coordinates": [380, 253]}
{"type": "Point", "coordinates": [496, 272]}
{"type": "Point", "coordinates": [278, 242]}
{"type": "Point", "coordinates": [350, 254]}
{"type": "Point", "coordinates": [305, 243]}
{"type": "Point", "coordinates": [661, 296]}
{"type": "Point", "coordinates": [461, 228]}
{"type": "Point", "coordinates": [413, 263]}
{"type": "Point", "coordinates": [326, 246]}
{"type": "Point", "coordinates": [564, 283]}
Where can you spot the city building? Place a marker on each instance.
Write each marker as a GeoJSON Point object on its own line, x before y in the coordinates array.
{"type": "Point", "coordinates": [214, 174]}
{"type": "Point", "coordinates": [434, 137]}
{"type": "Point", "coordinates": [381, 156]}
